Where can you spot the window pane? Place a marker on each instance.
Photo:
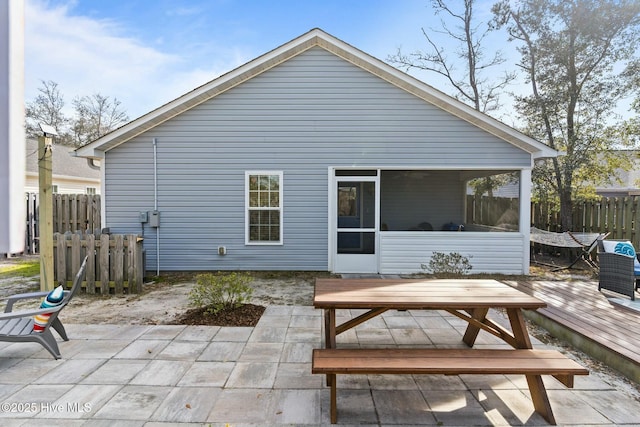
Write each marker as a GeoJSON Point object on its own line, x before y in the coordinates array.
{"type": "Point", "coordinates": [253, 233]}
{"type": "Point", "coordinates": [356, 243]}
{"type": "Point", "coordinates": [264, 182]}
{"type": "Point", "coordinates": [275, 200]}
{"type": "Point", "coordinates": [275, 183]}
{"type": "Point", "coordinates": [275, 233]}
{"type": "Point", "coordinates": [264, 232]}
{"type": "Point", "coordinates": [264, 200]}
{"type": "Point", "coordinates": [264, 208]}
{"type": "Point", "coordinates": [253, 182]}
{"type": "Point", "coordinates": [347, 196]}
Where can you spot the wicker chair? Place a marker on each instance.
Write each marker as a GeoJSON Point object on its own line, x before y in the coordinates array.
{"type": "Point", "coordinates": [617, 273]}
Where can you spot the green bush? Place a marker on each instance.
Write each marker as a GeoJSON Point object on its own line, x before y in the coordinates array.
{"type": "Point", "coordinates": [219, 292]}
{"type": "Point", "coordinates": [453, 264]}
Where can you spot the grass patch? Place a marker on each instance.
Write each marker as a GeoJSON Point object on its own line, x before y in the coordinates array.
{"type": "Point", "coordinates": [20, 269]}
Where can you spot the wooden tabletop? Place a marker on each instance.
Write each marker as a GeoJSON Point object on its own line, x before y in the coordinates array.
{"type": "Point", "coordinates": [458, 294]}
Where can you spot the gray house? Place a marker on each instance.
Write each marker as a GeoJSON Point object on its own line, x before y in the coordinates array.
{"type": "Point", "coordinates": [314, 156]}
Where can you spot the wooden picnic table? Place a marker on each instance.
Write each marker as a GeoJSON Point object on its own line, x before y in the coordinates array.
{"type": "Point", "coordinates": [468, 299]}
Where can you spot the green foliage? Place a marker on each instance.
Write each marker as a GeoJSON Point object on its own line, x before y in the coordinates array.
{"type": "Point", "coordinates": [219, 292]}
{"type": "Point", "coordinates": [453, 264]}
{"type": "Point", "coordinates": [572, 54]}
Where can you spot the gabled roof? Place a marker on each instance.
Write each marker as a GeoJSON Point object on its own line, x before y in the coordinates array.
{"type": "Point", "coordinates": [313, 38]}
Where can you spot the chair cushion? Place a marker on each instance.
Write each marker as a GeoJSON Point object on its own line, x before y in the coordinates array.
{"type": "Point", "coordinates": [619, 247]}
{"type": "Point", "coordinates": [623, 248]}
{"type": "Point", "coordinates": [54, 298]}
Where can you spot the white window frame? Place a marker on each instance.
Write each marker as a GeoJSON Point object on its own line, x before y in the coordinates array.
{"type": "Point", "coordinates": [248, 209]}
{"type": "Point", "coordinates": [91, 191]}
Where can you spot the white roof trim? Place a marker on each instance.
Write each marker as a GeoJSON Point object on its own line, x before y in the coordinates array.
{"type": "Point", "coordinates": [315, 37]}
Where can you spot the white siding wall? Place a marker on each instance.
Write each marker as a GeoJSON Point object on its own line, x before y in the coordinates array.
{"type": "Point", "coordinates": [487, 252]}
{"type": "Point", "coordinates": [70, 185]}
{"type": "Point", "coordinates": [311, 112]}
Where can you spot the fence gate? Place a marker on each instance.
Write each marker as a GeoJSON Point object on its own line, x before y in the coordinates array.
{"type": "Point", "coordinates": [71, 213]}
{"type": "Point", "coordinates": [115, 263]}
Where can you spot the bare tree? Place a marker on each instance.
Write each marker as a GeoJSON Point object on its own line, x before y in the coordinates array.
{"type": "Point", "coordinates": [47, 108]}
{"type": "Point", "coordinates": [96, 115]}
{"type": "Point", "coordinates": [467, 70]}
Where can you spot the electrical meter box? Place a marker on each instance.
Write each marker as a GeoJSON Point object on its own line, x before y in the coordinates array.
{"type": "Point", "coordinates": [154, 219]}
{"type": "Point", "coordinates": [143, 217]}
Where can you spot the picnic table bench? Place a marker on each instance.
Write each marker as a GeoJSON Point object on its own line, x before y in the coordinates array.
{"type": "Point", "coordinates": [445, 362]}
{"type": "Point", "coordinates": [467, 299]}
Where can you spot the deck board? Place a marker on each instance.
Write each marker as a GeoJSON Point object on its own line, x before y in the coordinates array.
{"type": "Point", "coordinates": [580, 307]}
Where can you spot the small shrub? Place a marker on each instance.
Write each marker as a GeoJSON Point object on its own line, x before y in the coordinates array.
{"type": "Point", "coordinates": [219, 292]}
{"type": "Point", "coordinates": [452, 263]}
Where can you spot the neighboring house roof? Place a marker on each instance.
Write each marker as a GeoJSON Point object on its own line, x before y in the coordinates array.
{"type": "Point", "coordinates": [65, 164]}
{"type": "Point", "coordinates": [313, 38]}
{"type": "Point", "coordinates": [629, 184]}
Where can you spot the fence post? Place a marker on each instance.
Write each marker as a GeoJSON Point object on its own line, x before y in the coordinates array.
{"type": "Point", "coordinates": [91, 264]}
{"type": "Point", "coordinates": [139, 256]}
{"type": "Point", "coordinates": [118, 262]}
{"type": "Point", "coordinates": [76, 254]}
{"type": "Point", "coordinates": [61, 260]}
{"type": "Point", "coordinates": [104, 264]}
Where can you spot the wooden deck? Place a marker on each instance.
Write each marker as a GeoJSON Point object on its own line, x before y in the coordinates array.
{"type": "Point", "coordinates": [578, 313]}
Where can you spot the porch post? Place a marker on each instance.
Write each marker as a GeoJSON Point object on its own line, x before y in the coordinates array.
{"type": "Point", "coordinates": [525, 216]}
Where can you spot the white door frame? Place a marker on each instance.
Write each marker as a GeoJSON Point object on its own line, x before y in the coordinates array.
{"type": "Point", "coordinates": [352, 263]}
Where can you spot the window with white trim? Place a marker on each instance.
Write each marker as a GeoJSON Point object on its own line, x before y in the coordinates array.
{"type": "Point", "coordinates": [263, 207]}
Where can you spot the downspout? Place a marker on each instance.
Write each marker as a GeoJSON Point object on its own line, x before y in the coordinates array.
{"type": "Point", "coordinates": [92, 164]}
{"type": "Point", "coordinates": [155, 201]}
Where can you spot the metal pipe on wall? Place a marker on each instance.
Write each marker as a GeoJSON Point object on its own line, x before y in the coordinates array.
{"type": "Point", "coordinates": [155, 201]}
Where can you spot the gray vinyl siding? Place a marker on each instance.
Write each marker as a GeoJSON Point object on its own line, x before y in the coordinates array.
{"type": "Point", "coordinates": [301, 117]}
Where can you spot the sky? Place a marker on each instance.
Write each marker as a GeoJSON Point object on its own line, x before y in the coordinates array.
{"type": "Point", "coordinates": [148, 52]}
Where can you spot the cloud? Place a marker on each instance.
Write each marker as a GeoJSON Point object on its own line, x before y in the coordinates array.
{"type": "Point", "coordinates": [85, 55]}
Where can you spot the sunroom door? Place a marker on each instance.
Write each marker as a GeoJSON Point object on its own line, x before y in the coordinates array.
{"type": "Point", "coordinates": [356, 225]}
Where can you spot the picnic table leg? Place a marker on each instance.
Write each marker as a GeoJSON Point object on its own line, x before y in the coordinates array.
{"type": "Point", "coordinates": [333, 398]}
{"type": "Point", "coordinates": [536, 386]}
{"type": "Point", "coordinates": [472, 331]}
{"type": "Point", "coordinates": [330, 340]}
{"type": "Point", "coordinates": [330, 328]}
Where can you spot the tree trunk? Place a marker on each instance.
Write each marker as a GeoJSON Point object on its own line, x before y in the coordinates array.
{"type": "Point", "coordinates": [566, 210]}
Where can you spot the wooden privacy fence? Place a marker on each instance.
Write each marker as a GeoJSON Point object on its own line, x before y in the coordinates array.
{"type": "Point", "coordinates": [115, 263]}
{"type": "Point", "coordinates": [615, 215]}
{"type": "Point", "coordinates": [71, 212]}
{"type": "Point", "coordinates": [618, 216]}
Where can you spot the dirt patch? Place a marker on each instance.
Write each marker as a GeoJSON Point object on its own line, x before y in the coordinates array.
{"type": "Point", "coordinates": [245, 315]}
{"type": "Point", "coordinates": [164, 300]}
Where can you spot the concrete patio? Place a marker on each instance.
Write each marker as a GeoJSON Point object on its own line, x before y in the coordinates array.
{"type": "Point", "coordinates": [169, 375]}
